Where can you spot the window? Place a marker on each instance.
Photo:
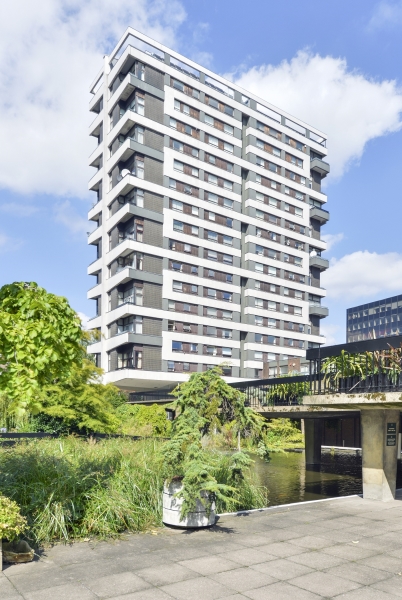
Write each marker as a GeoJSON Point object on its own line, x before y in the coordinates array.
{"type": "Point", "coordinates": [212, 255]}
{"type": "Point", "coordinates": [298, 310]}
{"type": "Point", "coordinates": [258, 267]}
{"type": "Point", "coordinates": [227, 334]}
{"type": "Point", "coordinates": [178, 146]}
{"type": "Point", "coordinates": [170, 365]}
{"type": "Point", "coordinates": [228, 129]}
{"type": "Point", "coordinates": [132, 295]}
{"type": "Point", "coordinates": [194, 230]}
{"type": "Point", "coordinates": [211, 331]}
{"type": "Point", "coordinates": [228, 185]}
{"type": "Point", "coordinates": [176, 205]}
{"type": "Point", "coordinates": [177, 346]}
{"type": "Point", "coordinates": [178, 166]}
{"type": "Point", "coordinates": [131, 359]}
{"type": "Point", "coordinates": [271, 305]}
{"type": "Point", "coordinates": [257, 355]}
{"type": "Point", "coordinates": [259, 250]}
{"type": "Point", "coordinates": [213, 140]}
{"type": "Point", "coordinates": [227, 352]}
{"type": "Point", "coordinates": [173, 123]}
{"type": "Point", "coordinates": [229, 222]}
{"type": "Point", "coordinates": [228, 147]}
{"type": "Point", "coordinates": [187, 248]}
{"type": "Point", "coordinates": [212, 313]}
{"type": "Point", "coordinates": [227, 296]}
{"type": "Point", "coordinates": [298, 211]}
{"type": "Point", "coordinates": [212, 236]}
{"type": "Point", "coordinates": [139, 167]}
{"type": "Point", "coordinates": [129, 324]}
{"type": "Point", "coordinates": [193, 348]}
{"type": "Point", "coordinates": [228, 259]}
{"type": "Point", "coordinates": [212, 179]}
{"type": "Point", "coordinates": [194, 211]}
{"type": "Point", "coordinates": [227, 315]}
{"type": "Point", "coordinates": [258, 321]}
{"type": "Point", "coordinates": [227, 240]}
{"type": "Point", "coordinates": [259, 302]}
{"type": "Point", "coordinates": [177, 286]}
{"type": "Point", "coordinates": [259, 215]}
{"type": "Point", "coordinates": [228, 203]}
{"type": "Point", "coordinates": [259, 338]}
{"type": "Point", "coordinates": [211, 293]}
{"type": "Point", "coordinates": [298, 294]}
{"type": "Point", "coordinates": [271, 322]}
{"type": "Point", "coordinates": [178, 226]}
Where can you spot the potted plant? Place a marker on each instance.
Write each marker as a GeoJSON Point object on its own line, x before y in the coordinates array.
{"type": "Point", "coordinates": [202, 404]}
{"type": "Point", "coordinates": [12, 524]}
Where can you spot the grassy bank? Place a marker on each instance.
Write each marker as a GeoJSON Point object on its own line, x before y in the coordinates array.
{"type": "Point", "coordinates": [71, 488]}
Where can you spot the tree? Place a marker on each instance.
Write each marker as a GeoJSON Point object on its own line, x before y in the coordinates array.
{"type": "Point", "coordinates": [203, 403]}
{"type": "Point", "coordinates": [81, 401]}
{"type": "Point", "coordinates": [41, 339]}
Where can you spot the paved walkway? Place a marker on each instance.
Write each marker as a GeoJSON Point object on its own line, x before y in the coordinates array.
{"type": "Point", "coordinates": [347, 548]}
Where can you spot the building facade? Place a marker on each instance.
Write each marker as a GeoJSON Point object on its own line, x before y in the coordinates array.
{"type": "Point", "coordinates": [381, 318]}
{"type": "Point", "coordinates": [208, 215]}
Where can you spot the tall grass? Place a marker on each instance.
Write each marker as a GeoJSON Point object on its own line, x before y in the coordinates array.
{"type": "Point", "coordinates": [71, 488]}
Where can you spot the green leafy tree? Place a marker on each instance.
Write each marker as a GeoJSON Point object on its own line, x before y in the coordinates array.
{"type": "Point", "coordinates": [41, 339]}
{"type": "Point", "coordinates": [204, 403]}
{"type": "Point", "coordinates": [81, 402]}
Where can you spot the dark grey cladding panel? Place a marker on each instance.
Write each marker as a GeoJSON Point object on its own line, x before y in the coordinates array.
{"type": "Point", "coordinates": [137, 338]}
{"type": "Point", "coordinates": [143, 212]}
{"type": "Point", "coordinates": [315, 324]}
{"type": "Point", "coordinates": [315, 276]}
{"type": "Point", "coordinates": [153, 264]}
{"type": "Point", "coordinates": [113, 329]}
{"type": "Point", "coordinates": [153, 233]}
{"type": "Point", "coordinates": [149, 277]}
{"type": "Point", "coordinates": [152, 326]}
{"type": "Point", "coordinates": [152, 358]}
{"type": "Point", "coordinates": [153, 169]}
{"type": "Point", "coordinates": [114, 238]}
{"type": "Point", "coordinates": [154, 77]}
{"type": "Point", "coordinates": [152, 295]}
{"type": "Point", "coordinates": [154, 140]}
{"type": "Point", "coordinates": [113, 298]}
{"type": "Point", "coordinates": [113, 268]}
{"type": "Point", "coordinates": [113, 360]}
{"type": "Point", "coordinates": [146, 150]}
{"type": "Point", "coordinates": [153, 108]}
{"type": "Point", "coordinates": [153, 202]}
{"type": "Point", "coordinates": [147, 87]}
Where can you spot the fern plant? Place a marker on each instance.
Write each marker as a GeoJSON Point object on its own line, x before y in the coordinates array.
{"type": "Point", "coordinates": [203, 403]}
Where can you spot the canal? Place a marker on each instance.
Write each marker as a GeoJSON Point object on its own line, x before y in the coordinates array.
{"type": "Point", "coordinates": [288, 480]}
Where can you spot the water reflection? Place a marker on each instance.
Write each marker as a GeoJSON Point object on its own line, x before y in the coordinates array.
{"type": "Point", "coordinates": [289, 481]}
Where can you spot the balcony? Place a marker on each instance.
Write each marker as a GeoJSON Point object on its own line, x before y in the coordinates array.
{"type": "Point", "coordinates": [95, 126]}
{"type": "Point", "coordinates": [319, 214]}
{"type": "Point", "coordinates": [319, 263]}
{"type": "Point", "coordinates": [317, 310]}
{"type": "Point", "coordinates": [129, 337]}
{"type": "Point", "coordinates": [95, 235]}
{"type": "Point", "coordinates": [319, 166]}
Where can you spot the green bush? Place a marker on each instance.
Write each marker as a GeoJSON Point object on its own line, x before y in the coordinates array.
{"type": "Point", "coordinates": [12, 523]}
{"type": "Point", "coordinates": [72, 488]}
{"type": "Point", "coordinates": [148, 421]}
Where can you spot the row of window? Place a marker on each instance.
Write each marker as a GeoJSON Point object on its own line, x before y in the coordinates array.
{"type": "Point", "coordinates": [191, 348]}
{"type": "Point", "coordinates": [275, 255]}
{"type": "Point", "coordinates": [209, 235]}
{"type": "Point", "coordinates": [208, 177]}
{"type": "Point", "coordinates": [180, 367]}
{"type": "Point", "coordinates": [187, 288]}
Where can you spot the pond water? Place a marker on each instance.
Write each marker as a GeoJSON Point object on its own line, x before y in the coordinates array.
{"type": "Point", "coordinates": [288, 480]}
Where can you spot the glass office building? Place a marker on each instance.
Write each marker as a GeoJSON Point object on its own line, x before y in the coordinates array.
{"type": "Point", "coordinates": [377, 319]}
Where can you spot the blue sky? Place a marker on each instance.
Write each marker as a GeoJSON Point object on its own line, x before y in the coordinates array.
{"type": "Point", "coordinates": [335, 64]}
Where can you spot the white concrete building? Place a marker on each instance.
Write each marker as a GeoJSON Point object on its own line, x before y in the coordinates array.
{"type": "Point", "coordinates": [208, 211]}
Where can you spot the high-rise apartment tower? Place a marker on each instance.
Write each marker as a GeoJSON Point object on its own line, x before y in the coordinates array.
{"type": "Point", "coordinates": [208, 211]}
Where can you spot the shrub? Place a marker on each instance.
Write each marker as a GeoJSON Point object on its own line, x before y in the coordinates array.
{"type": "Point", "coordinates": [12, 523]}
{"type": "Point", "coordinates": [72, 488]}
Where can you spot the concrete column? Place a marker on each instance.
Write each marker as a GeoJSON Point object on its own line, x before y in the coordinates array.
{"type": "Point", "coordinates": [380, 430]}
{"type": "Point", "coordinates": [312, 441]}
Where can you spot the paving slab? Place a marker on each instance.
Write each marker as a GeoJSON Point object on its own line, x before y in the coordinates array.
{"type": "Point", "coordinates": [345, 548]}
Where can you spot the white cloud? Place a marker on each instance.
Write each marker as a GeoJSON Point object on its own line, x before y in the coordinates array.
{"type": "Point", "coordinates": [348, 106]}
{"type": "Point", "coordinates": [50, 53]}
{"type": "Point", "coordinates": [65, 213]}
{"type": "Point", "coordinates": [386, 14]}
{"type": "Point", "coordinates": [333, 333]}
{"type": "Point", "coordinates": [84, 319]}
{"type": "Point", "coordinates": [363, 275]}
{"type": "Point", "coordinates": [331, 239]}
{"type": "Point", "coordinates": [18, 209]}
